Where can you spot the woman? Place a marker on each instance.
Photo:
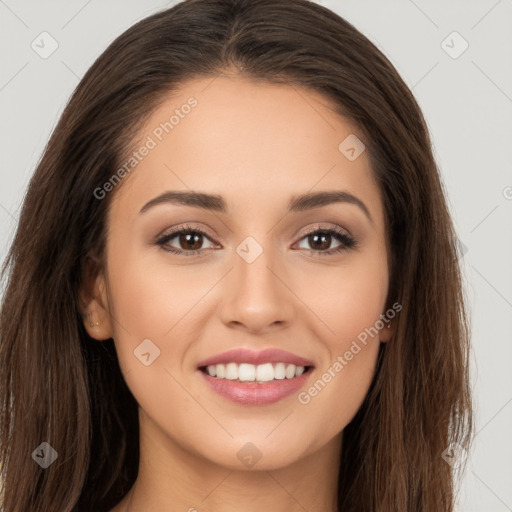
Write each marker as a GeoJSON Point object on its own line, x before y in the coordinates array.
{"type": "Point", "coordinates": [234, 284]}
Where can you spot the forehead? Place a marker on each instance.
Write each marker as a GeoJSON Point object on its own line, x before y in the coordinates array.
{"type": "Point", "coordinates": [252, 142]}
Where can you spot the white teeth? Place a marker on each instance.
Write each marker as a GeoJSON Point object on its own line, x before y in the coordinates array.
{"type": "Point", "coordinates": [280, 371]}
{"type": "Point", "coordinates": [265, 372]}
{"type": "Point", "coordinates": [232, 371]}
{"type": "Point", "coordinates": [246, 372]}
{"type": "Point", "coordinates": [290, 371]}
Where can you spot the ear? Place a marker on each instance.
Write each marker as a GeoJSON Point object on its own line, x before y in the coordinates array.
{"type": "Point", "coordinates": [94, 302]}
{"type": "Point", "coordinates": [387, 331]}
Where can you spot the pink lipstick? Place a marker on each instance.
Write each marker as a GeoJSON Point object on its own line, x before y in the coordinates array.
{"type": "Point", "coordinates": [255, 377]}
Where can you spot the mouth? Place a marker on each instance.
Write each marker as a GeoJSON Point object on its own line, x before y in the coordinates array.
{"type": "Point", "coordinates": [255, 377]}
{"type": "Point", "coordinates": [256, 391]}
{"type": "Point", "coordinates": [255, 374]}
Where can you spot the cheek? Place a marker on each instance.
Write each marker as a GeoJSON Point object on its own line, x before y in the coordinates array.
{"type": "Point", "coordinates": [346, 299]}
{"type": "Point", "coordinates": [337, 392]}
{"type": "Point", "coordinates": [348, 310]}
{"type": "Point", "coordinates": [150, 300]}
{"type": "Point", "coordinates": [156, 304]}
{"type": "Point", "coordinates": [147, 303]}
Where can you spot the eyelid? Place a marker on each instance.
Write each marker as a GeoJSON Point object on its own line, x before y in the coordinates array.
{"type": "Point", "coordinates": [176, 230]}
{"type": "Point", "coordinates": [322, 226]}
{"type": "Point", "coordinates": [172, 230]}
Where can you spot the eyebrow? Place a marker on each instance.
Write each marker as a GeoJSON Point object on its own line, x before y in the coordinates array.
{"type": "Point", "coordinates": [216, 203]}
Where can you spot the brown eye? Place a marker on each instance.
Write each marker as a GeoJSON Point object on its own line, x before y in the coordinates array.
{"type": "Point", "coordinates": [189, 241]}
{"type": "Point", "coordinates": [320, 241]}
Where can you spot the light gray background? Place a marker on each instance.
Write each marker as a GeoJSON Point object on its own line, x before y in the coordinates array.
{"type": "Point", "coordinates": [467, 102]}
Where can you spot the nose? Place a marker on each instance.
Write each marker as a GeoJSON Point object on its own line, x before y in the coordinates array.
{"type": "Point", "coordinates": [256, 297]}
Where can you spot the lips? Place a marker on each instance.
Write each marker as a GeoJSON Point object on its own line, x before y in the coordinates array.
{"type": "Point", "coordinates": [243, 355]}
{"type": "Point", "coordinates": [255, 394]}
{"type": "Point", "coordinates": [247, 391]}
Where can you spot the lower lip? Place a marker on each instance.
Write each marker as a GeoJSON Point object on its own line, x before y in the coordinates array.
{"type": "Point", "coordinates": [252, 393]}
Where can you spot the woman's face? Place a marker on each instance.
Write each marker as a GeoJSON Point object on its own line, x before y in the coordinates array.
{"type": "Point", "coordinates": [254, 270]}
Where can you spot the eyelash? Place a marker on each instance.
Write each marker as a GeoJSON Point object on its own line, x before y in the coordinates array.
{"type": "Point", "coordinates": [348, 242]}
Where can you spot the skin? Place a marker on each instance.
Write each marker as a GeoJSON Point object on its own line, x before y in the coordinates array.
{"type": "Point", "coordinates": [257, 145]}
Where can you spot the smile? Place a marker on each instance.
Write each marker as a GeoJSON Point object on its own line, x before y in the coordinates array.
{"type": "Point", "coordinates": [246, 372]}
{"type": "Point", "coordinates": [264, 384]}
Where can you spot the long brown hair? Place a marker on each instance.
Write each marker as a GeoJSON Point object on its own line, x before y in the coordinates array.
{"type": "Point", "coordinates": [60, 386]}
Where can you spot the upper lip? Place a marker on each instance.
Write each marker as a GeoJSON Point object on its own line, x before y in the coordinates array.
{"type": "Point", "coordinates": [243, 355]}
